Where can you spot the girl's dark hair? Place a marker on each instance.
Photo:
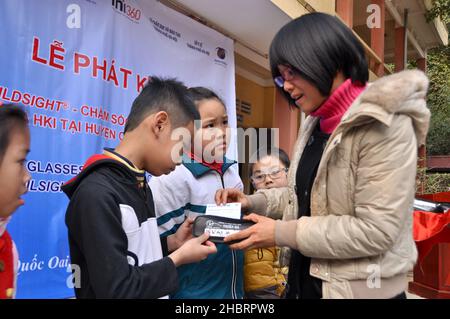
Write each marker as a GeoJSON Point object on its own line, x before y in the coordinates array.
{"type": "Point", "coordinates": [201, 93]}
{"type": "Point", "coordinates": [11, 117]}
{"type": "Point", "coordinates": [273, 151]}
{"type": "Point", "coordinates": [317, 46]}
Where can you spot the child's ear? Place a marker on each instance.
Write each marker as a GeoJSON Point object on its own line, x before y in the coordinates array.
{"type": "Point", "coordinates": [160, 122]}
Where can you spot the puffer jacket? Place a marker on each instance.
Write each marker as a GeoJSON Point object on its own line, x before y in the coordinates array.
{"type": "Point", "coordinates": [262, 270]}
{"type": "Point", "coordinates": [359, 234]}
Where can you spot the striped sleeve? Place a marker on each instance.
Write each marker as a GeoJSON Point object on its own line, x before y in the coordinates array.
{"type": "Point", "coordinates": [171, 195]}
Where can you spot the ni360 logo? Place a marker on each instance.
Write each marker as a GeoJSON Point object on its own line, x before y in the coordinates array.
{"type": "Point", "coordinates": [126, 9]}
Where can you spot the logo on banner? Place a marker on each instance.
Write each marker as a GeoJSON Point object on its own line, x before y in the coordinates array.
{"type": "Point", "coordinates": [132, 13]}
{"type": "Point", "coordinates": [221, 53]}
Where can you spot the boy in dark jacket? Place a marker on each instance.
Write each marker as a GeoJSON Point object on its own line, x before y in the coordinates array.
{"type": "Point", "coordinates": [113, 235]}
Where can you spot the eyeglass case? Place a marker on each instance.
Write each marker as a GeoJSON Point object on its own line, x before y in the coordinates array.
{"type": "Point", "coordinates": [218, 227]}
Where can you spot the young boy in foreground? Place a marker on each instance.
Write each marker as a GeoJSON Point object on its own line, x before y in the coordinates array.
{"type": "Point", "coordinates": [113, 233]}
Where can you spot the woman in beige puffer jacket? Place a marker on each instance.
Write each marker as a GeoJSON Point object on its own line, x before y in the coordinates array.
{"type": "Point", "coordinates": [358, 234]}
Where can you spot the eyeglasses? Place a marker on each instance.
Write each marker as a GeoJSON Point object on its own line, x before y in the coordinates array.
{"type": "Point", "coordinates": [274, 173]}
{"type": "Point", "coordinates": [287, 75]}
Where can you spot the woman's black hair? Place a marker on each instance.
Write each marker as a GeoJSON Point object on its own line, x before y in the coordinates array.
{"type": "Point", "coordinates": [201, 93]}
{"type": "Point", "coordinates": [317, 46]}
{"type": "Point", "coordinates": [272, 151]}
{"type": "Point", "coordinates": [11, 117]}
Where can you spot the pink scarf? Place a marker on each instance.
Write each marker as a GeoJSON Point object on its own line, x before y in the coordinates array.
{"type": "Point", "coordinates": [332, 110]}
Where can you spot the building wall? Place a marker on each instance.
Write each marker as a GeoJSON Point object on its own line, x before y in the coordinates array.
{"type": "Point", "coordinates": [328, 6]}
{"type": "Point", "coordinates": [286, 119]}
{"type": "Point", "coordinates": [295, 8]}
{"type": "Point", "coordinates": [262, 101]}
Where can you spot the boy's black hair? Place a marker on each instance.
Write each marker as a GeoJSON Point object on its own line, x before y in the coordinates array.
{"type": "Point", "coordinates": [201, 93]}
{"type": "Point", "coordinates": [273, 151]}
{"type": "Point", "coordinates": [317, 46]}
{"type": "Point", "coordinates": [167, 95]}
{"type": "Point", "coordinates": [11, 117]}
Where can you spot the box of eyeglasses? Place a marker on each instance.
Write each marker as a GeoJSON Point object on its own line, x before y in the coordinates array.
{"type": "Point", "coordinates": [219, 227]}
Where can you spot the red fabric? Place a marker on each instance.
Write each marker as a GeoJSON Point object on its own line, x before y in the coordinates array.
{"type": "Point", "coordinates": [214, 166]}
{"type": "Point", "coordinates": [89, 162]}
{"type": "Point", "coordinates": [336, 105]}
{"type": "Point", "coordinates": [443, 197]}
{"type": "Point", "coordinates": [7, 259]}
{"type": "Point", "coordinates": [430, 229]}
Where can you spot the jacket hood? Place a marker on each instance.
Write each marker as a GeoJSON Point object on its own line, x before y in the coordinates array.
{"type": "Point", "coordinates": [400, 93]}
{"type": "Point", "coordinates": [93, 163]}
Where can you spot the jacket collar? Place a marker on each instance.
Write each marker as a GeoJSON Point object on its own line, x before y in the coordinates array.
{"type": "Point", "coordinates": [113, 154]}
{"type": "Point", "coordinates": [109, 158]}
{"type": "Point", "coordinates": [400, 93]}
{"type": "Point", "coordinates": [199, 169]}
{"type": "Point", "coordinates": [3, 223]}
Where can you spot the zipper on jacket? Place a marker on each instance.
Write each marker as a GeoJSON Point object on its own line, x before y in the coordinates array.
{"type": "Point", "coordinates": [233, 278]}
{"type": "Point", "coordinates": [221, 179]}
{"type": "Point", "coordinates": [234, 258]}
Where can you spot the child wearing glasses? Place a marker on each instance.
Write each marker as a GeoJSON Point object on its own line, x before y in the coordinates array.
{"type": "Point", "coordinates": [263, 276]}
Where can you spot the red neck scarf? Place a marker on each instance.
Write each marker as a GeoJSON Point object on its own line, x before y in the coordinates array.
{"type": "Point", "coordinates": [214, 165]}
{"type": "Point", "coordinates": [332, 110]}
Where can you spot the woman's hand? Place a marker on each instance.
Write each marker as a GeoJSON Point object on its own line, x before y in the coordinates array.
{"type": "Point", "coordinates": [183, 234]}
{"type": "Point", "coordinates": [232, 195]}
{"type": "Point", "coordinates": [260, 235]}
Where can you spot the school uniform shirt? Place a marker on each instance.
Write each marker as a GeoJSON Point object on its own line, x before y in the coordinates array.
{"type": "Point", "coordinates": [113, 237]}
{"type": "Point", "coordinates": [8, 263]}
{"type": "Point", "coordinates": [185, 193]}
